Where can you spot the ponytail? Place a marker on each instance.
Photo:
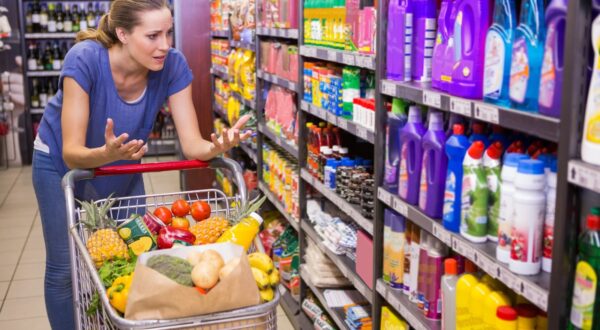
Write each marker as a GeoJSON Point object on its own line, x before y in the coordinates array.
{"type": "Point", "coordinates": [104, 34]}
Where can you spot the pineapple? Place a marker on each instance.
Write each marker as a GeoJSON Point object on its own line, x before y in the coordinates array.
{"type": "Point", "coordinates": [209, 230]}
{"type": "Point", "coordinates": [104, 242]}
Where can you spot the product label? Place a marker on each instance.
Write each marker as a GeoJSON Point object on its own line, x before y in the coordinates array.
{"type": "Point", "coordinates": [391, 165]}
{"type": "Point", "coordinates": [584, 296]}
{"type": "Point", "coordinates": [35, 18]}
{"type": "Point", "coordinates": [458, 36]}
{"type": "Point", "coordinates": [526, 244]}
{"type": "Point", "coordinates": [387, 252]}
{"type": "Point", "coordinates": [449, 197]}
{"type": "Point", "coordinates": [493, 75]}
{"type": "Point", "coordinates": [548, 78]}
{"type": "Point", "coordinates": [424, 180]}
{"type": "Point", "coordinates": [396, 260]}
{"type": "Point", "coordinates": [32, 64]}
{"type": "Point", "coordinates": [407, 258]}
{"type": "Point", "coordinates": [519, 71]}
{"type": "Point", "coordinates": [493, 183]}
{"type": "Point", "coordinates": [52, 26]}
{"type": "Point", "coordinates": [474, 200]}
{"type": "Point", "coordinates": [505, 218]}
{"type": "Point", "coordinates": [56, 64]}
{"type": "Point", "coordinates": [403, 176]}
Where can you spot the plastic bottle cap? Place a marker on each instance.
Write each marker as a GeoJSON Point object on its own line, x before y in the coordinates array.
{"type": "Point", "coordinates": [506, 313]}
{"type": "Point", "coordinates": [476, 150]}
{"type": "Point", "coordinates": [527, 310]}
{"type": "Point", "coordinates": [414, 114]}
{"type": "Point", "coordinates": [450, 266]}
{"type": "Point", "coordinates": [593, 222]}
{"type": "Point", "coordinates": [531, 166]}
{"type": "Point", "coordinates": [512, 159]}
{"type": "Point", "coordinates": [477, 128]}
{"type": "Point", "coordinates": [458, 129]}
{"type": "Point", "coordinates": [257, 217]}
{"type": "Point", "coordinates": [495, 150]}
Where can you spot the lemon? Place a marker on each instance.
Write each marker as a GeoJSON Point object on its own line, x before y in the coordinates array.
{"type": "Point", "coordinates": [125, 233]}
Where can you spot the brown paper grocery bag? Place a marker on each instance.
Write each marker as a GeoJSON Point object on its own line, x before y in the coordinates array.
{"type": "Point", "coordinates": [153, 296]}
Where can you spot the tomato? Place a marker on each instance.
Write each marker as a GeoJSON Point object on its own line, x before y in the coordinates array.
{"type": "Point", "coordinates": [164, 214]}
{"type": "Point", "coordinates": [180, 223]}
{"type": "Point", "coordinates": [180, 208]}
{"type": "Point", "coordinates": [200, 210]}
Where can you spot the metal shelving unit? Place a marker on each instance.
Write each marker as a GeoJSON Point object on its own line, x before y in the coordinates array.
{"type": "Point", "coordinates": [219, 34]}
{"type": "Point", "coordinates": [335, 313]}
{"type": "Point", "coordinates": [409, 310]}
{"type": "Point", "coordinates": [277, 80]}
{"type": "Point", "coordinates": [339, 56]}
{"type": "Point", "coordinates": [57, 35]}
{"type": "Point", "coordinates": [345, 124]}
{"type": "Point", "coordinates": [43, 73]}
{"type": "Point", "coordinates": [249, 151]}
{"type": "Point", "coordinates": [219, 73]}
{"type": "Point", "coordinates": [278, 33]}
{"type": "Point", "coordinates": [286, 145]}
{"type": "Point", "coordinates": [275, 201]}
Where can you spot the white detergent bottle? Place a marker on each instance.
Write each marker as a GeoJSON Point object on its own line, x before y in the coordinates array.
{"type": "Point", "coordinates": [590, 144]}
{"type": "Point", "coordinates": [449, 294]}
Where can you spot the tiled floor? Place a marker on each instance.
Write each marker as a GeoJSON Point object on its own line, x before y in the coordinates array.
{"type": "Point", "coordinates": [22, 251]}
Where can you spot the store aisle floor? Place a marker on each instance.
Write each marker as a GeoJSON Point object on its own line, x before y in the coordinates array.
{"type": "Point", "coordinates": [22, 249]}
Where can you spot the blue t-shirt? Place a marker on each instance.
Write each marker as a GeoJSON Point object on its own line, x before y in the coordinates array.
{"type": "Point", "coordinates": [88, 64]}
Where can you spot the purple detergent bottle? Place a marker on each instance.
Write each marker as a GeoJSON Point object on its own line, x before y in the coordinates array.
{"type": "Point", "coordinates": [433, 171]}
{"type": "Point", "coordinates": [424, 29]}
{"type": "Point", "coordinates": [444, 28]}
{"type": "Point", "coordinates": [399, 40]}
{"type": "Point", "coordinates": [473, 19]}
{"type": "Point", "coordinates": [553, 62]}
{"type": "Point", "coordinates": [411, 156]}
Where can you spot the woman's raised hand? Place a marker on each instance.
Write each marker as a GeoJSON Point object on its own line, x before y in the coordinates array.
{"type": "Point", "coordinates": [117, 149]}
{"type": "Point", "coordinates": [230, 137]}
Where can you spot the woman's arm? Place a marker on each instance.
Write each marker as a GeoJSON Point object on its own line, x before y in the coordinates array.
{"type": "Point", "coordinates": [74, 121]}
{"type": "Point", "coordinates": [186, 123]}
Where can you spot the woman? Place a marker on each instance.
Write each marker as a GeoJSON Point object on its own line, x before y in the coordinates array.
{"type": "Point", "coordinates": [113, 82]}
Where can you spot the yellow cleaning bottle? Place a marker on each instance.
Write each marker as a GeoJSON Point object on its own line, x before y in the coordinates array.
{"type": "Point", "coordinates": [492, 302]}
{"type": "Point", "coordinates": [465, 285]}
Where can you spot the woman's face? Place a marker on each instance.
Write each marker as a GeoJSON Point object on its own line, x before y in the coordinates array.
{"type": "Point", "coordinates": [149, 42]}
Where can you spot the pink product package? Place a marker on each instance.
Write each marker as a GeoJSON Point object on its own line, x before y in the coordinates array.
{"type": "Point", "coordinates": [274, 57]}
{"type": "Point", "coordinates": [352, 13]}
{"type": "Point", "coordinates": [288, 14]}
{"type": "Point", "coordinates": [364, 258]}
{"type": "Point", "coordinates": [367, 19]}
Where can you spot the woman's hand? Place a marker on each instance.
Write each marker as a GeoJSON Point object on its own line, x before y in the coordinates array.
{"type": "Point", "coordinates": [230, 137]}
{"type": "Point", "coordinates": [116, 149]}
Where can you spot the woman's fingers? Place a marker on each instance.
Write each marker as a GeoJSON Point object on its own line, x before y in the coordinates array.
{"type": "Point", "coordinates": [241, 122]}
{"type": "Point", "coordinates": [245, 135]}
{"type": "Point", "coordinates": [215, 141]}
{"type": "Point", "coordinates": [140, 153]}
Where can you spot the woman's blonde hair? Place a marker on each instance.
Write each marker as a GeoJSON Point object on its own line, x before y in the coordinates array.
{"type": "Point", "coordinates": [124, 14]}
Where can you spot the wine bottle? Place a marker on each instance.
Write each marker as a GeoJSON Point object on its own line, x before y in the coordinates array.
{"type": "Point", "coordinates": [44, 19]}
{"type": "Point", "coordinates": [56, 58]}
{"type": "Point", "coordinates": [68, 20]}
{"type": "Point", "coordinates": [31, 60]}
{"type": "Point", "coordinates": [35, 17]}
{"type": "Point", "coordinates": [29, 19]}
{"type": "Point", "coordinates": [35, 96]}
{"type": "Point", "coordinates": [75, 17]}
{"type": "Point", "coordinates": [43, 95]}
{"type": "Point", "coordinates": [60, 19]}
{"type": "Point", "coordinates": [91, 16]}
{"type": "Point", "coordinates": [51, 18]}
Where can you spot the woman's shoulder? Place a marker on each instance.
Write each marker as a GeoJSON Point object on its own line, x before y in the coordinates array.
{"type": "Point", "coordinates": [175, 58]}
{"type": "Point", "coordinates": [88, 49]}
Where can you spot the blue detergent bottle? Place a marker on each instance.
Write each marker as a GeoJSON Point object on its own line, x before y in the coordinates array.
{"type": "Point", "coordinates": [527, 56]}
{"type": "Point", "coordinates": [456, 148]}
{"type": "Point", "coordinates": [498, 53]}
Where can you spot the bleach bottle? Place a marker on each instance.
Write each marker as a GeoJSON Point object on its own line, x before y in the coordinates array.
{"type": "Point", "coordinates": [474, 207]}
{"type": "Point", "coordinates": [478, 133]}
{"type": "Point", "coordinates": [498, 52]}
{"type": "Point", "coordinates": [395, 121]}
{"type": "Point", "coordinates": [399, 40]}
{"type": "Point", "coordinates": [590, 145]}
{"type": "Point", "coordinates": [444, 28]}
{"type": "Point", "coordinates": [424, 29]}
{"type": "Point", "coordinates": [411, 156]}
{"type": "Point", "coordinates": [472, 21]}
{"type": "Point", "coordinates": [433, 171]}
{"type": "Point", "coordinates": [527, 55]}
{"type": "Point", "coordinates": [456, 148]}
{"type": "Point", "coordinates": [553, 63]}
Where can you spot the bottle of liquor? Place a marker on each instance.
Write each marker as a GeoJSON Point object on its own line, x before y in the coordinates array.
{"type": "Point", "coordinates": [31, 57]}
{"type": "Point", "coordinates": [91, 16]}
{"type": "Point", "coordinates": [39, 57]}
{"type": "Point", "coordinates": [83, 19]}
{"type": "Point", "coordinates": [60, 18]}
{"type": "Point", "coordinates": [47, 57]}
{"type": "Point", "coordinates": [68, 20]}
{"type": "Point", "coordinates": [35, 17]}
{"type": "Point", "coordinates": [43, 94]}
{"type": "Point", "coordinates": [56, 58]}
{"type": "Point", "coordinates": [51, 90]}
{"type": "Point", "coordinates": [51, 18]}
{"type": "Point", "coordinates": [35, 94]}
{"type": "Point", "coordinates": [75, 17]}
{"type": "Point", "coordinates": [29, 19]}
{"type": "Point", "coordinates": [44, 18]}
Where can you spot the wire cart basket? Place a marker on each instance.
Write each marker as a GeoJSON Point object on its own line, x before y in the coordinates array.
{"type": "Point", "coordinates": [86, 280]}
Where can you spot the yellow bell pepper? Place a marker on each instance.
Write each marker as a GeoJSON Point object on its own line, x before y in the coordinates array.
{"type": "Point", "coordinates": [119, 291]}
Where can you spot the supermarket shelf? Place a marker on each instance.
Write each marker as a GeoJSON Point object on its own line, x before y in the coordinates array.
{"type": "Point", "coordinates": [249, 104]}
{"type": "Point", "coordinates": [219, 73]}
{"type": "Point", "coordinates": [280, 33]}
{"type": "Point", "coordinates": [339, 56]}
{"type": "Point", "coordinates": [352, 211]}
{"type": "Point", "coordinates": [347, 125]}
{"type": "Point", "coordinates": [584, 175]}
{"type": "Point", "coordinates": [249, 151]}
{"type": "Point", "coordinates": [408, 310]}
{"type": "Point", "coordinates": [239, 44]}
{"type": "Point", "coordinates": [43, 73]}
{"type": "Point", "coordinates": [535, 288]}
{"type": "Point", "coordinates": [287, 146]}
{"type": "Point", "coordinates": [530, 123]}
{"type": "Point", "coordinates": [277, 80]}
{"type": "Point", "coordinates": [221, 112]}
{"type": "Point", "coordinates": [333, 312]}
{"type": "Point", "coordinates": [36, 111]}
{"type": "Point", "coordinates": [290, 306]}
{"type": "Point", "coordinates": [303, 321]}
{"type": "Point", "coordinates": [220, 34]}
{"type": "Point", "coordinates": [345, 265]}
{"type": "Point", "coordinates": [56, 35]}
{"type": "Point", "coordinates": [275, 201]}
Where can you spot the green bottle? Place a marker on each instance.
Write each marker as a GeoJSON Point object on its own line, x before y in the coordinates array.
{"type": "Point", "coordinates": [586, 296]}
{"type": "Point", "coordinates": [475, 193]}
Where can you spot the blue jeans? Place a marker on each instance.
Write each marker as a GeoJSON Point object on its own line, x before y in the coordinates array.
{"type": "Point", "coordinates": [53, 213]}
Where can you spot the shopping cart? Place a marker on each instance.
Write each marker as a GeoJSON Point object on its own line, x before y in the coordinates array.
{"type": "Point", "coordinates": [86, 280]}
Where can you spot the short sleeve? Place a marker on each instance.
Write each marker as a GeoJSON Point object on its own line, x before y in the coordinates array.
{"type": "Point", "coordinates": [179, 73]}
{"type": "Point", "coordinates": [81, 64]}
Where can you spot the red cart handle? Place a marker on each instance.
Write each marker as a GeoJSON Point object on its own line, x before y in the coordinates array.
{"type": "Point", "coordinates": [150, 167]}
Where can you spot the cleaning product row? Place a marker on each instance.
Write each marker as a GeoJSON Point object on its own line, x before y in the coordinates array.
{"type": "Point", "coordinates": [280, 174]}
{"type": "Point", "coordinates": [481, 50]}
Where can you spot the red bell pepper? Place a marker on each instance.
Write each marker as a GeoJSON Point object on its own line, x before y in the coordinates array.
{"type": "Point", "coordinates": [169, 235]}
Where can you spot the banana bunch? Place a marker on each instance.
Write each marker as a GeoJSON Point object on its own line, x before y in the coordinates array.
{"type": "Point", "coordinates": [265, 274]}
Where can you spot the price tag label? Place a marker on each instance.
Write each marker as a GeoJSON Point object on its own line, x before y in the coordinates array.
{"type": "Point", "coordinates": [309, 51]}
{"type": "Point", "coordinates": [348, 59]}
{"type": "Point", "coordinates": [282, 289]}
{"type": "Point", "coordinates": [291, 85]}
{"type": "Point", "coordinates": [342, 123]}
{"type": "Point", "coordinates": [384, 196]}
{"type": "Point", "coordinates": [461, 107]}
{"type": "Point", "coordinates": [394, 301]}
{"type": "Point", "coordinates": [511, 280]}
{"type": "Point", "coordinates": [280, 32]}
{"type": "Point", "coordinates": [432, 99]}
{"type": "Point", "coordinates": [332, 55]}
{"type": "Point", "coordinates": [583, 177]}
{"type": "Point", "coordinates": [487, 264]}
{"type": "Point", "coordinates": [361, 132]}
{"type": "Point", "coordinates": [331, 118]}
{"type": "Point", "coordinates": [463, 248]}
{"type": "Point", "coordinates": [388, 88]}
{"type": "Point", "coordinates": [400, 207]}
{"type": "Point", "coordinates": [293, 33]}
{"type": "Point", "coordinates": [537, 296]}
{"type": "Point", "coordinates": [442, 234]}
{"type": "Point", "coordinates": [364, 62]}
{"type": "Point", "coordinates": [487, 113]}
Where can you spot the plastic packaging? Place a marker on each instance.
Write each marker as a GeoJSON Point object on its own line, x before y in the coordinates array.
{"type": "Point", "coordinates": [590, 144]}
{"type": "Point", "coordinates": [479, 293]}
{"type": "Point", "coordinates": [527, 227]}
{"type": "Point", "coordinates": [548, 241]}
{"type": "Point", "coordinates": [445, 26]}
{"type": "Point", "coordinates": [433, 171]}
{"type": "Point", "coordinates": [474, 208]}
{"type": "Point", "coordinates": [492, 302]}
{"type": "Point", "coordinates": [435, 264]}
{"type": "Point", "coordinates": [393, 253]}
{"type": "Point", "coordinates": [396, 120]}
{"type": "Point", "coordinates": [244, 232]}
{"type": "Point", "coordinates": [527, 316]}
{"type": "Point", "coordinates": [411, 155]}
{"type": "Point", "coordinates": [492, 165]}
{"type": "Point", "coordinates": [399, 40]}
{"type": "Point", "coordinates": [464, 286]}
{"type": "Point", "coordinates": [419, 291]}
{"type": "Point", "coordinates": [424, 29]}
{"type": "Point", "coordinates": [456, 148]}
{"type": "Point", "coordinates": [506, 318]}
{"type": "Point", "coordinates": [415, 253]}
{"type": "Point", "coordinates": [448, 291]}
{"type": "Point", "coordinates": [407, 258]}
